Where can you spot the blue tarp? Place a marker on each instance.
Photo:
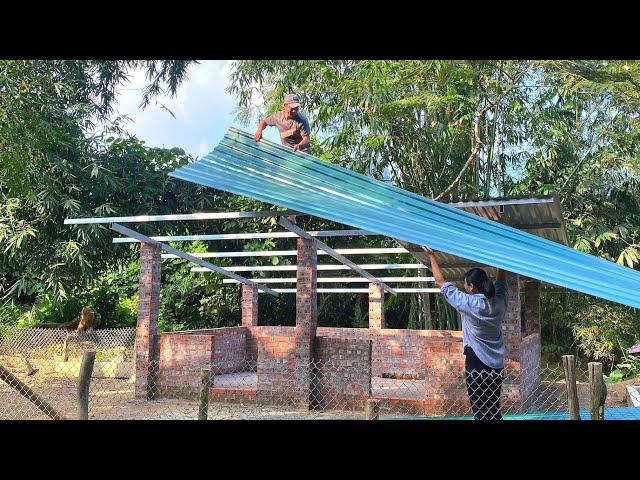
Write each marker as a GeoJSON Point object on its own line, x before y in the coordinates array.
{"type": "Point", "coordinates": [610, 413]}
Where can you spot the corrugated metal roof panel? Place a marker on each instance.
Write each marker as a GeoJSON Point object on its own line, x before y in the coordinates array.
{"type": "Point", "coordinates": [540, 215]}
{"type": "Point", "coordinates": [543, 219]}
{"type": "Point", "coordinates": [274, 174]}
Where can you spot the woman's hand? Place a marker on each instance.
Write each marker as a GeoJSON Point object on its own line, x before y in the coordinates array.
{"type": "Point", "coordinates": [435, 268]}
{"type": "Point", "coordinates": [427, 250]}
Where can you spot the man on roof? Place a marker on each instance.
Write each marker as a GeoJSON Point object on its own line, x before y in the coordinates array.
{"type": "Point", "coordinates": [292, 124]}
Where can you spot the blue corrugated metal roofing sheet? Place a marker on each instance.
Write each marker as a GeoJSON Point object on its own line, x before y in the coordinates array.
{"type": "Point", "coordinates": [274, 174]}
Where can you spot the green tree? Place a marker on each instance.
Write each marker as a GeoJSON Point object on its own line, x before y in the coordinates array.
{"type": "Point", "coordinates": [42, 255]}
{"type": "Point", "coordinates": [427, 125]}
{"type": "Point", "coordinates": [52, 168]}
{"type": "Point", "coordinates": [47, 107]}
{"type": "Point", "coordinates": [448, 129]}
{"type": "Point", "coordinates": [476, 128]}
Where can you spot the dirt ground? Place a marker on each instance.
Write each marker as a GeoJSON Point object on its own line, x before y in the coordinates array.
{"type": "Point", "coordinates": [617, 392]}
{"type": "Point", "coordinates": [114, 399]}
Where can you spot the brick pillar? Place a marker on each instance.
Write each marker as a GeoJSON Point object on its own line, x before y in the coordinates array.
{"type": "Point", "coordinates": [532, 307]}
{"type": "Point", "coordinates": [306, 318]}
{"type": "Point", "coordinates": [512, 335]}
{"type": "Point", "coordinates": [512, 324]}
{"type": "Point", "coordinates": [376, 306]}
{"type": "Point", "coordinates": [146, 343]}
{"type": "Point", "coordinates": [249, 305]}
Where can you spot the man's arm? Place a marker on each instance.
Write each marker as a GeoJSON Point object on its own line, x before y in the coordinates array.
{"type": "Point", "coordinates": [305, 133]}
{"type": "Point", "coordinates": [304, 143]}
{"type": "Point", "coordinates": [261, 126]}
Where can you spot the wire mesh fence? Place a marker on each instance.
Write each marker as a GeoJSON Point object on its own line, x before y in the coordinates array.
{"type": "Point", "coordinates": [40, 370]}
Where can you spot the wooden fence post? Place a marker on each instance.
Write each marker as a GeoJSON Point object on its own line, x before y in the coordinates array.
{"type": "Point", "coordinates": [372, 411]}
{"type": "Point", "coordinates": [569, 362]}
{"type": "Point", "coordinates": [205, 386]}
{"type": "Point", "coordinates": [84, 380]}
{"type": "Point", "coordinates": [596, 386]}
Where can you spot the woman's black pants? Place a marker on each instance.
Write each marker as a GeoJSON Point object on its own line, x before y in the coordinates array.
{"type": "Point", "coordinates": [483, 386]}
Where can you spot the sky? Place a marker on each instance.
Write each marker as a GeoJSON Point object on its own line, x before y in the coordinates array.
{"type": "Point", "coordinates": [203, 111]}
{"type": "Point", "coordinates": [202, 107]}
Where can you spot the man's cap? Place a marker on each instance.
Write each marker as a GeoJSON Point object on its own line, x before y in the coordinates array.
{"type": "Point", "coordinates": [292, 100]}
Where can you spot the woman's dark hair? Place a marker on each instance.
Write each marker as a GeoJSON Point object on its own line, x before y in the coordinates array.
{"type": "Point", "coordinates": [479, 278]}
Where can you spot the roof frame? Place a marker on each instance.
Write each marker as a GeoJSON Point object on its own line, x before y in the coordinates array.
{"type": "Point", "coordinates": [291, 253]}
{"type": "Point", "coordinates": [499, 203]}
{"type": "Point", "coordinates": [180, 216]}
{"type": "Point", "coordinates": [342, 259]}
{"type": "Point", "coordinates": [361, 290]}
{"type": "Point", "coordinates": [321, 267]}
{"type": "Point", "coordinates": [127, 231]}
{"type": "Point", "coordinates": [249, 236]}
{"type": "Point", "coordinates": [341, 280]}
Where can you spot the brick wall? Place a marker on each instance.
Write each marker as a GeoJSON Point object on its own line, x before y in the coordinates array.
{"type": "Point", "coordinates": [398, 356]}
{"type": "Point", "coordinates": [530, 364]}
{"type": "Point", "coordinates": [181, 358]}
{"type": "Point", "coordinates": [255, 332]}
{"type": "Point", "coordinates": [231, 351]}
{"type": "Point", "coordinates": [335, 332]}
{"type": "Point", "coordinates": [396, 353]}
{"type": "Point", "coordinates": [532, 307]}
{"type": "Point", "coordinates": [444, 386]}
{"type": "Point", "coordinates": [432, 358]}
{"type": "Point", "coordinates": [231, 344]}
{"type": "Point", "coordinates": [436, 357]}
{"type": "Point", "coordinates": [342, 372]}
{"type": "Point", "coordinates": [276, 369]}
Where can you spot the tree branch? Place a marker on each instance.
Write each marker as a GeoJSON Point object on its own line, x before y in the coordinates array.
{"type": "Point", "coordinates": [478, 144]}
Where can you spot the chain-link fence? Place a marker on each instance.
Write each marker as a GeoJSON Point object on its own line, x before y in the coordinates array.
{"type": "Point", "coordinates": [40, 372]}
{"type": "Point", "coordinates": [39, 368]}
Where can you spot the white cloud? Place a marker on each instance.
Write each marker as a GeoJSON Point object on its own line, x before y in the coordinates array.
{"type": "Point", "coordinates": [202, 107]}
{"type": "Point", "coordinates": [203, 148]}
